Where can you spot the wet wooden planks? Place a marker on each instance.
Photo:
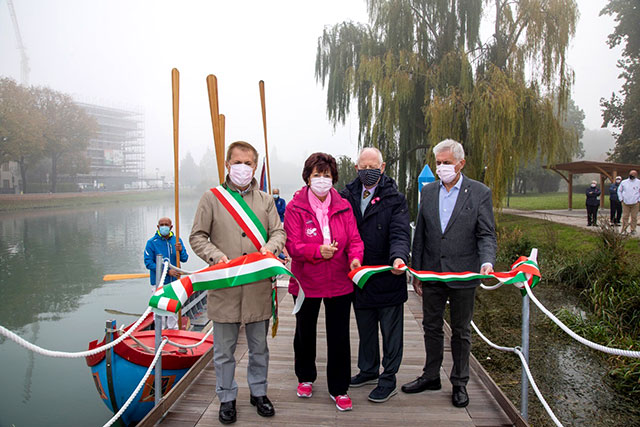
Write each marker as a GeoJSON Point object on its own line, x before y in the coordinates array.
{"type": "Point", "coordinates": [198, 405]}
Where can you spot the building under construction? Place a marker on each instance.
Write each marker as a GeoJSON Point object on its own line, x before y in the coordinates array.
{"type": "Point", "coordinates": [117, 153]}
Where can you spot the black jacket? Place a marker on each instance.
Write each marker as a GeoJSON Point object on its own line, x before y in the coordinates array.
{"type": "Point", "coordinates": [593, 196]}
{"type": "Point", "coordinates": [384, 229]}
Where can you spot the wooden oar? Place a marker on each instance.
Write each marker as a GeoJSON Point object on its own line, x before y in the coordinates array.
{"type": "Point", "coordinates": [111, 277]}
{"type": "Point", "coordinates": [175, 89]}
{"type": "Point", "coordinates": [264, 126]}
{"type": "Point", "coordinates": [217, 123]}
{"type": "Point", "coordinates": [121, 313]}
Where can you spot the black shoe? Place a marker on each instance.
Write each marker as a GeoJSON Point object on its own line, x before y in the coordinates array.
{"type": "Point", "coordinates": [362, 379]}
{"type": "Point", "coordinates": [459, 397]}
{"type": "Point", "coordinates": [421, 384]}
{"type": "Point", "coordinates": [227, 413]}
{"type": "Point", "coordinates": [263, 405]}
{"type": "Point", "coordinates": [382, 393]}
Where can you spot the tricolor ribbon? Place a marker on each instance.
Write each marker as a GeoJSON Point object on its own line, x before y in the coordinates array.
{"type": "Point", "coordinates": [237, 272]}
{"type": "Point", "coordinates": [242, 214]}
{"type": "Point", "coordinates": [523, 270]}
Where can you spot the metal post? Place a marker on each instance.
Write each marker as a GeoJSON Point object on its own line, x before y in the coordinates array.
{"type": "Point", "coordinates": [524, 399]}
{"type": "Point", "coordinates": [158, 328]}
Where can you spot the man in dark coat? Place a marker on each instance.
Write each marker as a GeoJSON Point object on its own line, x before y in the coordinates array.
{"type": "Point", "coordinates": [383, 222]}
{"type": "Point", "coordinates": [615, 206]}
{"type": "Point", "coordinates": [455, 232]}
{"type": "Point", "coordinates": [593, 203]}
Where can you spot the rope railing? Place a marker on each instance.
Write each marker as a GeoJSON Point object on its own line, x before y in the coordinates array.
{"type": "Point", "coordinates": [582, 340]}
{"type": "Point", "coordinates": [525, 365]}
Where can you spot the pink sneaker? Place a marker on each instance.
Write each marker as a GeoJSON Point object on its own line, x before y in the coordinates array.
{"type": "Point", "coordinates": [305, 390]}
{"type": "Point", "coordinates": [343, 402]}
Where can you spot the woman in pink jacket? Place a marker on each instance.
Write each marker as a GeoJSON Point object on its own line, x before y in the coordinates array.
{"type": "Point", "coordinates": [324, 245]}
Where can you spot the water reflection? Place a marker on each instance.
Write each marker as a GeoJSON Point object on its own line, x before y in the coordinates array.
{"type": "Point", "coordinates": [51, 268]}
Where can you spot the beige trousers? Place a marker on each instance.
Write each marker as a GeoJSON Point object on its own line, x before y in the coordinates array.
{"type": "Point", "coordinates": [629, 210]}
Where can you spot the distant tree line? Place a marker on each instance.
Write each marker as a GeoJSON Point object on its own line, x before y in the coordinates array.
{"type": "Point", "coordinates": [623, 111]}
{"type": "Point", "coordinates": [44, 131]}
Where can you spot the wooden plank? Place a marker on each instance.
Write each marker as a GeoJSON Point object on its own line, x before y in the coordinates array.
{"type": "Point", "coordinates": [167, 401]}
{"type": "Point", "coordinates": [433, 408]}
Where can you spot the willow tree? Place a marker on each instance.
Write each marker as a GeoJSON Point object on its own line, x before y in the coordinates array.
{"type": "Point", "coordinates": [419, 73]}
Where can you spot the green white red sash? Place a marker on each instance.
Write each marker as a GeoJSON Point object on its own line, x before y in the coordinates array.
{"type": "Point", "coordinates": [242, 214]}
{"type": "Point", "coordinates": [239, 271]}
{"type": "Point", "coordinates": [523, 270]}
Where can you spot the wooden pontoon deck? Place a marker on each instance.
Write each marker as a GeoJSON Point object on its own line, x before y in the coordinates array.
{"type": "Point", "coordinates": [194, 402]}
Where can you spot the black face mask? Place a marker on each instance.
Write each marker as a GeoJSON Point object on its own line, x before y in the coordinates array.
{"type": "Point", "coordinates": [369, 177]}
{"type": "Point", "coordinates": [632, 177]}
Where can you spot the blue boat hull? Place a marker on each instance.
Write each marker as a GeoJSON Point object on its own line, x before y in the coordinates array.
{"type": "Point", "coordinates": [128, 376]}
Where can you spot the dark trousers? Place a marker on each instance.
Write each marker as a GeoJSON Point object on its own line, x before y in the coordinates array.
{"type": "Point", "coordinates": [592, 215]}
{"type": "Point", "coordinates": [390, 320]}
{"type": "Point", "coordinates": [337, 312]}
{"type": "Point", "coordinates": [461, 301]}
{"type": "Point", "coordinates": [615, 211]}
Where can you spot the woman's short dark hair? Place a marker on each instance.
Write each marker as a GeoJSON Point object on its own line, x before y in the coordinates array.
{"type": "Point", "coordinates": [322, 162]}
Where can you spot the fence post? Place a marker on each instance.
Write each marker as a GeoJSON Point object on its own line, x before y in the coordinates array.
{"type": "Point", "coordinates": [158, 328]}
{"type": "Point", "coordinates": [524, 399]}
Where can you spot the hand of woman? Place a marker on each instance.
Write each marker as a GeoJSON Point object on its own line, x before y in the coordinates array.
{"type": "Point", "coordinates": [355, 264]}
{"type": "Point", "coordinates": [327, 251]}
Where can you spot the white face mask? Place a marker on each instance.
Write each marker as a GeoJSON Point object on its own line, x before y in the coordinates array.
{"type": "Point", "coordinates": [321, 185]}
{"type": "Point", "coordinates": [241, 174]}
{"type": "Point", "coordinates": [447, 173]}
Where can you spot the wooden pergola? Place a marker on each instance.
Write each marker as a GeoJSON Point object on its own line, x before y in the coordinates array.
{"type": "Point", "coordinates": [605, 169]}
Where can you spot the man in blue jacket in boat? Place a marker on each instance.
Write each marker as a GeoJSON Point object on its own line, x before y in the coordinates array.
{"type": "Point", "coordinates": [164, 243]}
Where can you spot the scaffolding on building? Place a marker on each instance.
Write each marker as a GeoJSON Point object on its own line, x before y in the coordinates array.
{"type": "Point", "coordinates": [117, 153]}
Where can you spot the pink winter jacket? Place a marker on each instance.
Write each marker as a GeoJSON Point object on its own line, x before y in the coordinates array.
{"type": "Point", "coordinates": [321, 278]}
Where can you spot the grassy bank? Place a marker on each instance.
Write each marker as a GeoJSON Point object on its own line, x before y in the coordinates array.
{"type": "Point", "coordinates": [591, 281]}
{"type": "Point", "coordinates": [548, 201]}
{"type": "Point", "coordinates": [71, 200]}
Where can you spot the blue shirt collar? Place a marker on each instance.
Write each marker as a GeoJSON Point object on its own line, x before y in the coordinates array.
{"type": "Point", "coordinates": [457, 186]}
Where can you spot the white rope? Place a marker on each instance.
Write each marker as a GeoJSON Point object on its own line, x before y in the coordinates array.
{"type": "Point", "coordinates": [192, 345]}
{"type": "Point", "coordinates": [595, 346]}
{"type": "Point", "coordinates": [73, 355]}
{"type": "Point", "coordinates": [523, 360]}
{"type": "Point", "coordinates": [140, 384]}
{"type": "Point", "coordinates": [70, 355]}
{"type": "Point", "coordinates": [535, 388]}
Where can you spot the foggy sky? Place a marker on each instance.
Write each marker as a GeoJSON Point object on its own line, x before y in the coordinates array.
{"type": "Point", "coordinates": [120, 53]}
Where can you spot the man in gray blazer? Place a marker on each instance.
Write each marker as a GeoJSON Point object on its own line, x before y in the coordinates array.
{"type": "Point", "coordinates": [455, 232]}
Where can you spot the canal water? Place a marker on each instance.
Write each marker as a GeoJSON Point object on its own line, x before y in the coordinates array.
{"type": "Point", "coordinates": [52, 294]}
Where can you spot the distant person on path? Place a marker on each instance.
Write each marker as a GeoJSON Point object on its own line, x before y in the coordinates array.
{"type": "Point", "coordinates": [593, 202]}
{"type": "Point", "coordinates": [382, 216]}
{"type": "Point", "coordinates": [615, 207]}
{"type": "Point", "coordinates": [217, 238]}
{"type": "Point", "coordinates": [281, 205]}
{"type": "Point", "coordinates": [455, 232]}
{"type": "Point", "coordinates": [629, 195]}
{"type": "Point", "coordinates": [164, 243]}
{"type": "Point", "coordinates": [324, 245]}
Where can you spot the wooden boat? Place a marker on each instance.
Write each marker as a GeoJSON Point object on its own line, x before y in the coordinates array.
{"type": "Point", "coordinates": [117, 372]}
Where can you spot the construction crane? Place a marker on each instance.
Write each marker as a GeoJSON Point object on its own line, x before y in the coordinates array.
{"type": "Point", "coordinates": [24, 59]}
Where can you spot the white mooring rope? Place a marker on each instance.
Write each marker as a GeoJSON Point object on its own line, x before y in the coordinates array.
{"type": "Point", "coordinates": [72, 355]}
{"type": "Point", "coordinates": [140, 384]}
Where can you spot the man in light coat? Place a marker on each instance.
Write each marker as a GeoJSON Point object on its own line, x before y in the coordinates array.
{"type": "Point", "coordinates": [216, 237]}
{"type": "Point", "coordinates": [629, 196]}
{"type": "Point", "coordinates": [455, 232]}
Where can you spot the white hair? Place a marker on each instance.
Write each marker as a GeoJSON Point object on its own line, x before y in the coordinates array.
{"type": "Point", "coordinates": [450, 145]}
{"type": "Point", "coordinates": [374, 149]}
